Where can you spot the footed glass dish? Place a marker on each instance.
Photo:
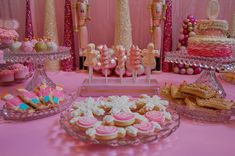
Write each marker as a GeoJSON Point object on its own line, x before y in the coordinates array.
{"type": "Point", "coordinates": [167, 129]}
{"type": "Point", "coordinates": [9, 114]}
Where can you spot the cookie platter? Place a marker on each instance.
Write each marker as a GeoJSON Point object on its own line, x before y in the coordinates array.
{"type": "Point", "coordinates": [141, 122]}
{"type": "Point", "coordinates": [199, 102]}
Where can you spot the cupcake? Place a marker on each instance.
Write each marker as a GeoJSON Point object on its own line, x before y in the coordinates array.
{"type": "Point", "coordinates": [40, 46]}
{"type": "Point", "coordinates": [52, 46]}
{"type": "Point", "coordinates": [6, 75]}
{"type": "Point", "coordinates": [15, 46]}
{"type": "Point", "coordinates": [27, 46]}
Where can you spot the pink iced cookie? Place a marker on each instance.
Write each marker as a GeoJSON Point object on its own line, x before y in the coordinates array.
{"type": "Point", "coordinates": [155, 116]}
{"type": "Point", "coordinates": [106, 132]}
{"type": "Point", "coordinates": [45, 95]}
{"type": "Point", "coordinates": [58, 94]}
{"type": "Point", "coordinates": [15, 103]}
{"type": "Point", "coordinates": [124, 119]}
{"type": "Point", "coordinates": [145, 128]}
{"type": "Point", "coordinates": [86, 122]}
{"type": "Point", "coordinates": [29, 97]}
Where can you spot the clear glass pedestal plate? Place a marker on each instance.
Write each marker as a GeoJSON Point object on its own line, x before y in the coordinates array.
{"type": "Point", "coordinates": [38, 59]}
{"type": "Point", "coordinates": [210, 66]}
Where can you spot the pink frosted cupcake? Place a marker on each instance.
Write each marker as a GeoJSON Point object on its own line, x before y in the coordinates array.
{"type": "Point", "coordinates": [27, 46]}
{"type": "Point", "coordinates": [6, 76]}
{"type": "Point", "coordinates": [21, 73]}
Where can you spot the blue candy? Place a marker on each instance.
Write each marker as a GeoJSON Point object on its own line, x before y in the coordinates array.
{"type": "Point", "coordinates": [24, 106]}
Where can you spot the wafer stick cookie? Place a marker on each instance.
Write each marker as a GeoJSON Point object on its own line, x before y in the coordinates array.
{"type": "Point", "coordinates": [200, 90]}
{"type": "Point", "coordinates": [216, 103]}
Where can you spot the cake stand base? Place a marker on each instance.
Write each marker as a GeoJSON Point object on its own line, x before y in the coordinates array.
{"type": "Point", "coordinates": [98, 87]}
{"type": "Point", "coordinates": [208, 77]}
{"type": "Point", "coordinates": [39, 77]}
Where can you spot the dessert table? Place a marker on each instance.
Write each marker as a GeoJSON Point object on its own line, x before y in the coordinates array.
{"type": "Point", "coordinates": [45, 137]}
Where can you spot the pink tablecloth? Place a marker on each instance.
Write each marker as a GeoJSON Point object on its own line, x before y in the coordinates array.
{"type": "Point", "coordinates": [44, 137]}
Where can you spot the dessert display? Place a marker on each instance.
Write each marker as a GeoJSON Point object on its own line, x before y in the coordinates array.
{"type": "Point", "coordinates": [120, 120]}
{"type": "Point", "coordinates": [14, 73]}
{"type": "Point", "coordinates": [198, 101]}
{"type": "Point", "coordinates": [29, 105]}
{"type": "Point", "coordinates": [34, 45]}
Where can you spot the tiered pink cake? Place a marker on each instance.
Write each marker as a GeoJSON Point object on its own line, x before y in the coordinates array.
{"type": "Point", "coordinates": [211, 39]}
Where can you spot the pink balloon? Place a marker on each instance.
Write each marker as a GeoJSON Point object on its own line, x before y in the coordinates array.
{"type": "Point", "coordinates": [176, 69]}
{"type": "Point", "coordinates": [190, 71]}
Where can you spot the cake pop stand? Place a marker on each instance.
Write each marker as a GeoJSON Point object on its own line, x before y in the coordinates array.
{"type": "Point", "coordinates": [210, 66]}
{"type": "Point", "coordinates": [38, 59]}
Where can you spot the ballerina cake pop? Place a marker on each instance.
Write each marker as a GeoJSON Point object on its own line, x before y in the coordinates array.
{"type": "Point", "coordinates": [91, 59]}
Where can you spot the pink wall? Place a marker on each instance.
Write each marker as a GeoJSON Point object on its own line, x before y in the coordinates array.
{"type": "Point", "coordinates": [101, 28]}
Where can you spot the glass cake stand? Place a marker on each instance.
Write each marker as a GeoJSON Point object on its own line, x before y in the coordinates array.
{"type": "Point", "coordinates": [167, 129]}
{"type": "Point", "coordinates": [38, 59]}
{"type": "Point", "coordinates": [210, 66]}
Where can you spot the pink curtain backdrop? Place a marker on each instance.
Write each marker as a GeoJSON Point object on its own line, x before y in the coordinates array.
{"type": "Point", "coordinates": [101, 27]}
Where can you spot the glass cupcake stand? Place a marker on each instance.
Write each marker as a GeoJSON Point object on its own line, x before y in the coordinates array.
{"type": "Point", "coordinates": [38, 59]}
{"type": "Point", "coordinates": [208, 76]}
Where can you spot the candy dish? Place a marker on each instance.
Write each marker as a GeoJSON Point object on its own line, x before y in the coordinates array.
{"type": "Point", "coordinates": [10, 114]}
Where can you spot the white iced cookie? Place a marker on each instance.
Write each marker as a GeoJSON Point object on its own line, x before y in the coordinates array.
{"type": "Point", "coordinates": [74, 120]}
{"type": "Point", "coordinates": [121, 132]}
{"type": "Point", "coordinates": [156, 126]}
{"type": "Point", "coordinates": [140, 118]}
{"type": "Point", "coordinates": [167, 115]}
{"type": "Point", "coordinates": [131, 131]}
{"type": "Point", "coordinates": [91, 133]}
{"type": "Point", "coordinates": [108, 120]}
